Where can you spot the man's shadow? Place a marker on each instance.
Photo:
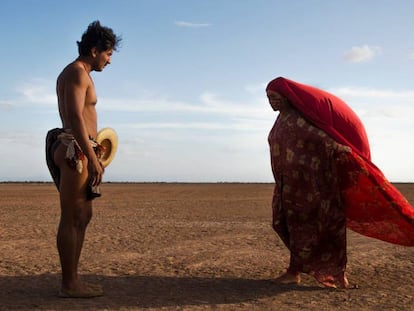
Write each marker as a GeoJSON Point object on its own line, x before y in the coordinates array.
{"type": "Point", "coordinates": [40, 292]}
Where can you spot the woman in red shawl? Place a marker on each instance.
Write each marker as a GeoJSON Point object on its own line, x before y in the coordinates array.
{"type": "Point", "coordinates": [325, 181]}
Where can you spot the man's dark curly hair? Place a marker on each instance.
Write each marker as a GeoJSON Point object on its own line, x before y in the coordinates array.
{"type": "Point", "coordinates": [103, 38]}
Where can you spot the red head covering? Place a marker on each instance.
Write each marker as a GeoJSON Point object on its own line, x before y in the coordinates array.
{"type": "Point", "coordinates": [327, 112]}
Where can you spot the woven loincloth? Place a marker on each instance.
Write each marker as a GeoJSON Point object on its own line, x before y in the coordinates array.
{"type": "Point", "coordinates": [74, 154]}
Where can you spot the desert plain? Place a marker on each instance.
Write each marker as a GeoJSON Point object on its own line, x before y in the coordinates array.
{"type": "Point", "coordinates": [178, 246]}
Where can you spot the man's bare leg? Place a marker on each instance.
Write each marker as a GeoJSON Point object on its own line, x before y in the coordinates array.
{"type": "Point", "coordinates": [76, 213]}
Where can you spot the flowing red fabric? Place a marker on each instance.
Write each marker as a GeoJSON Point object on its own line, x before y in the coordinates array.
{"type": "Point", "coordinates": [374, 207]}
{"type": "Point", "coordinates": [327, 112]}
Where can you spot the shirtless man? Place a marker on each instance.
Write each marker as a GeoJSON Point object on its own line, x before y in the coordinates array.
{"type": "Point", "coordinates": [73, 155]}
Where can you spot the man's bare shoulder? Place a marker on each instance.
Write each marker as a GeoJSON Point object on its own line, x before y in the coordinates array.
{"type": "Point", "coordinates": [74, 72]}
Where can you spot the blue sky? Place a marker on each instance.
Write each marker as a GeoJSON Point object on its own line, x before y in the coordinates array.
{"type": "Point", "coordinates": [185, 92]}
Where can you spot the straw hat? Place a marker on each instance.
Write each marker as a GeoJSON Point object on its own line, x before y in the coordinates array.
{"type": "Point", "coordinates": [109, 140]}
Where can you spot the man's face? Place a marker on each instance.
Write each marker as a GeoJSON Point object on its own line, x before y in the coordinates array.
{"type": "Point", "coordinates": [102, 59]}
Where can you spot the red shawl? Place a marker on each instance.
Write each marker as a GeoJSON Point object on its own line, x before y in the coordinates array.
{"type": "Point", "coordinates": [374, 207]}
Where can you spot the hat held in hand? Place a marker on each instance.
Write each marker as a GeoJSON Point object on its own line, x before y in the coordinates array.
{"type": "Point", "coordinates": [109, 140]}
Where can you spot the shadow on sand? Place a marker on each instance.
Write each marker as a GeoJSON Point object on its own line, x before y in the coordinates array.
{"type": "Point", "coordinates": [40, 292]}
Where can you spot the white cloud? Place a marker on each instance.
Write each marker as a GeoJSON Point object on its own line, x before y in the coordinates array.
{"type": "Point", "coordinates": [358, 54]}
{"type": "Point", "coordinates": [239, 125]}
{"type": "Point", "coordinates": [5, 106]}
{"type": "Point", "coordinates": [256, 88]}
{"type": "Point", "coordinates": [190, 24]}
{"type": "Point", "coordinates": [38, 91]}
{"type": "Point", "coordinates": [209, 103]}
{"type": "Point", "coordinates": [373, 93]}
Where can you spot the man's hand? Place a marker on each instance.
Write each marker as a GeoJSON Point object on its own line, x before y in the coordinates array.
{"type": "Point", "coordinates": [95, 170]}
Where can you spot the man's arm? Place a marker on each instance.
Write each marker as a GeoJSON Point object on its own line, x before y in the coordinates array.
{"type": "Point", "coordinates": [76, 86]}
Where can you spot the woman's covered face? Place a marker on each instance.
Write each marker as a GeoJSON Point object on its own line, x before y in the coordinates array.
{"type": "Point", "coordinates": [277, 101]}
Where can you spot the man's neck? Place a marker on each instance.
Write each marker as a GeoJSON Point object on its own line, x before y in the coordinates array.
{"type": "Point", "coordinates": [85, 62]}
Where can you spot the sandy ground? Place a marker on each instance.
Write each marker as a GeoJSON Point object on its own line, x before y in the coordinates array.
{"type": "Point", "coordinates": [183, 247]}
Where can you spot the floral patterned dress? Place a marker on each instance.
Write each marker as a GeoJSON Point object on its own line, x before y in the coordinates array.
{"type": "Point", "coordinates": [308, 212]}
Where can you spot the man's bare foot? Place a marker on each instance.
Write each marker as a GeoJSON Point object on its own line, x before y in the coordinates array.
{"type": "Point", "coordinates": [93, 286]}
{"type": "Point", "coordinates": [288, 278]}
{"type": "Point", "coordinates": [86, 290]}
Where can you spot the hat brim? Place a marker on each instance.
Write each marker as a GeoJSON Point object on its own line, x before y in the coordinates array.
{"type": "Point", "coordinates": [108, 138]}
